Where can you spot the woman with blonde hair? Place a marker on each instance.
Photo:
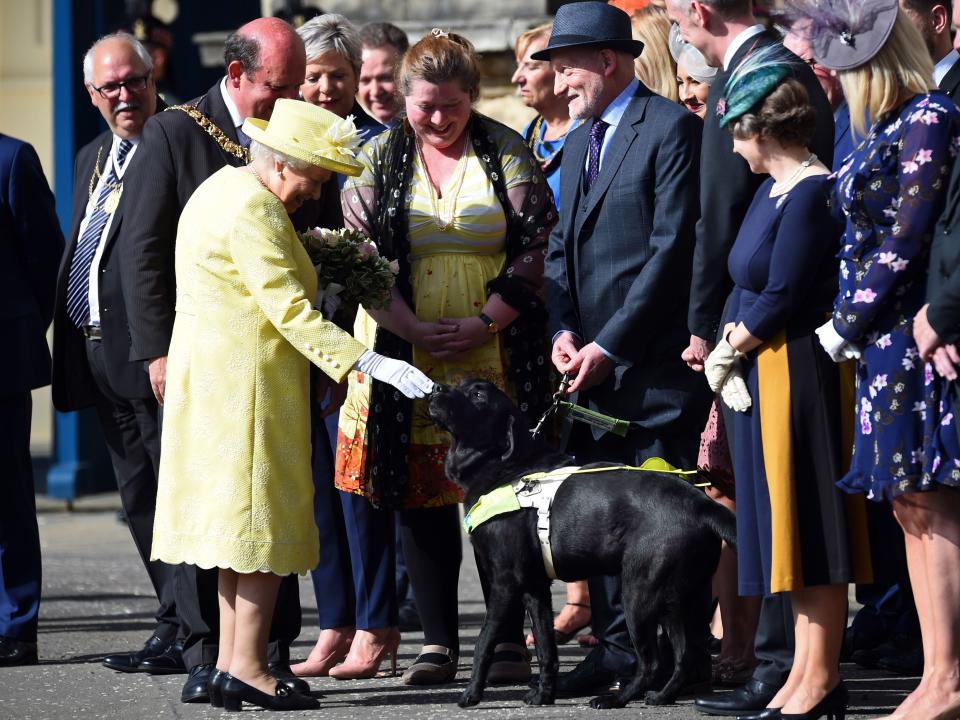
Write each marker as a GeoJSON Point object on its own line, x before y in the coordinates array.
{"type": "Point", "coordinates": [460, 202]}
{"type": "Point", "coordinates": [891, 190]}
{"type": "Point", "coordinates": [655, 66]}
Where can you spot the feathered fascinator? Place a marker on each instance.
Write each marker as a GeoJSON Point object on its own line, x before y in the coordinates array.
{"type": "Point", "coordinates": [844, 34]}
{"type": "Point", "coordinates": [755, 78]}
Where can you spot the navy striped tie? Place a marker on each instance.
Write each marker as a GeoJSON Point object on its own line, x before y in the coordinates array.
{"type": "Point", "coordinates": [78, 281]}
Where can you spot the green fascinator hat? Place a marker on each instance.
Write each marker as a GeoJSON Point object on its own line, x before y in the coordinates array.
{"type": "Point", "coordinates": [755, 78]}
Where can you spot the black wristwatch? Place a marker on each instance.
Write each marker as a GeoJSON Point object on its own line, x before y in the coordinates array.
{"type": "Point", "coordinates": [491, 324]}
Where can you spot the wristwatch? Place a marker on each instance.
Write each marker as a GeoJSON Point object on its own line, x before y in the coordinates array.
{"type": "Point", "coordinates": [491, 324]}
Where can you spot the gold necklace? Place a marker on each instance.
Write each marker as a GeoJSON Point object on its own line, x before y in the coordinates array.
{"type": "Point", "coordinates": [537, 136]}
{"type": "Point", "coordinates": [219, 136]}
{"type": "Point", "coordinates": [455, 182]}
{"type": "Point", "coordinates": [112, 200]}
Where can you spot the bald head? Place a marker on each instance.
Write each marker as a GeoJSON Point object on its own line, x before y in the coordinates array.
{"type": "Point", "coordinates": [265, 61]}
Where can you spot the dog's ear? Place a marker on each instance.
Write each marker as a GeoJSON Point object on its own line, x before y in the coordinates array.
{"type": "Point", "coordinates": [511, 442]}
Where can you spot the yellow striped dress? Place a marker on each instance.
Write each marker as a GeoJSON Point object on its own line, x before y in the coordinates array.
{"type": "Point", "coordinates": [449, 272]}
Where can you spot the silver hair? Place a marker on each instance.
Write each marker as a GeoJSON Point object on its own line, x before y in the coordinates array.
{"type": "Point", "coordinates": [332, 31]}
{"type": "Point", "coordinates": [126, 37]}
{"type": "Point", "coordinates": [260, 151]}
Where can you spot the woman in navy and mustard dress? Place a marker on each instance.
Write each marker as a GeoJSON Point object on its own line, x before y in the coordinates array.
{"type": "Point", "coordinates": [796, 532]}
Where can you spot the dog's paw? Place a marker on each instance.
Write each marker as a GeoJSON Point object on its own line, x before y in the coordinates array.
{"type": "Point", "coordinates": [537, 697]}
{"type": "Point", "coordinates": [605, 702]}
{"type": "Point", "coordinates": [469, 698]}
{"type": "Point", "coordinates": [657, 698]}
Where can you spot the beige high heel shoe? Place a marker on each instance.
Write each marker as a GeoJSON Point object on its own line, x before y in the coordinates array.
{"type": "Point", "coordinates": [367, 651]}
{"type": "Point", "coordinates": [321, 661]}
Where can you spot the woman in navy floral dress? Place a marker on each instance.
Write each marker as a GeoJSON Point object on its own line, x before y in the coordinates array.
{"type": "Point", "coordinates": [891, 191]}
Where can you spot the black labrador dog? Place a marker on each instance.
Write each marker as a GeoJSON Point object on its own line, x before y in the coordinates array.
{"type": "Point", "coordinates": [655, 530]}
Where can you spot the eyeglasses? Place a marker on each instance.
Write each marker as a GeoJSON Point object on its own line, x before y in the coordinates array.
{"type": "Point", "coordinates": [111, 91]}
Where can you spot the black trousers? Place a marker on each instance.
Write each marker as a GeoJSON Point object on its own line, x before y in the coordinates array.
{"type": "Point", "coordinates": [131, 428]}
{"type": "Point", "coordinates": [20, 570]}
{"type": "Point", "coordinates": [433, 548]}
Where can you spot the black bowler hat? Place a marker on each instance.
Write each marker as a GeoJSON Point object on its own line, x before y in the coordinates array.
{"type": "Point", "coordinates": [581, 24]}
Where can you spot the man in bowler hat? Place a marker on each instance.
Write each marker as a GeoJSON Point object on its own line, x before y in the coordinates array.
{"type": "Point", "coordinates": [617, 281]}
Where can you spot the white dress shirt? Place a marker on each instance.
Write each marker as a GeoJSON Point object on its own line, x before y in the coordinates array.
{"type": "Point", "coordinates": [231, 106]}
{"type": "Point", "coordinates": [941, 69]}
{"type": "Point", "coordinates": [93, 291]}
{"type": "Point", "coordinates": [739, 41]}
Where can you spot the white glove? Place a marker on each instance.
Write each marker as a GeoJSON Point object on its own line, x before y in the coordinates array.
{"type": "Point", "coordinates": [734, 391]}
{"type": "Point", "coordinates": [403, 376]}
{"type": "Point", "coordinates": [835, 345]}
{"type": "Point", "coordinates": [328, 299]}
{"type": "Point", "coordinates": [719, 363]}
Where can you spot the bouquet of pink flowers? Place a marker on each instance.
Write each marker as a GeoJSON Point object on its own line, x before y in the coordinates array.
{"type": "Point", "coordinates": [349, 269]}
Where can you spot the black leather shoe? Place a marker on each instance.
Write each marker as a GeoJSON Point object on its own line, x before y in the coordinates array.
{"type": "Point", "coordinates": [130, 662]}
{"type": "Point", "coordinates": [282, 672]}
{"type": "Point", "coordinates": [17, 652]}
{"type": "Point", "coordinates": [236, 692]}
{"type": "Point", "coordinates": [752, 697]}
{"type": "Point", "coordinates": [407, 616]}
{"type": "Point", "coordinates": [587, 678]}
{"type": "Point", "coordinates": [765, 714]}
{"type": "Point", "coordinates": [196, 689]}
{"type": "Point", "coordinates": [169, 662]}
{"type": "Point", "coordinates": [908, 663]}
{"type": "Point", "coordinates": [215, 687]}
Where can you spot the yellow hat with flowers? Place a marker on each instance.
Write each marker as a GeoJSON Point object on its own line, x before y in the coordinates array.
{"type": "Point", "coordinates": [311, 134]}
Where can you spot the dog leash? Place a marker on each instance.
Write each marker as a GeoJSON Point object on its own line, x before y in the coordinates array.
{"type": "Point", "coordinates": [564, 408]}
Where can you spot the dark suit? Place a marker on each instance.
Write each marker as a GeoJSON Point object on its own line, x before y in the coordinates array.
{"type": "Point", "coordinates": [100, 373]}
{"type": "Point", "coordinates": [616, 273]}
{"type": "Point", "coordinates": [175, 156]}
{"type": "Point", "coordinates": [943, 282]}
{"type": "Point", "coordinates": [843, 143]}
{"type": "Point", "coordinates": [30, 247]}
{"type": "Point", "coordinates": [727, 188]}
{"type": "Point", "coordinates": [951, 81]}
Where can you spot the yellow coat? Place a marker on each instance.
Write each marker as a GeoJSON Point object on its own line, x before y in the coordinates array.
{"type": "Point", "coordinates": [235, 488]}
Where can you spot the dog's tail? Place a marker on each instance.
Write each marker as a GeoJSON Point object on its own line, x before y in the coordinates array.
{"type": "Point", "coordinates": [723, 523]}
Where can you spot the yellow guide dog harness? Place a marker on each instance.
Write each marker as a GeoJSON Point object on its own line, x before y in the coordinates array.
{"type": "Point", "coordinates": [537, 491]}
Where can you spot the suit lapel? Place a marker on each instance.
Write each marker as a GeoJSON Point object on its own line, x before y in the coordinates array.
{"type": "Point", "coordinates": [951, 81]}
{"type": "Point", "coordinates": [623, 137]}
{"type": "Point", "coordinates": [213, 107]}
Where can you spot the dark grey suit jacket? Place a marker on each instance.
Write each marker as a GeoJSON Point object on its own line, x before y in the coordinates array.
{"type": "Point", "coordinates": [73, 385]}
{"type": "Point", "coordinates": [175, 156]}
{"type": "Point", "coordinates": [618, 264]}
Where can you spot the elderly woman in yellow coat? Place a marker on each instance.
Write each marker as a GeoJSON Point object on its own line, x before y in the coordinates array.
{"type": "Point", "coordinates": [235, 490]}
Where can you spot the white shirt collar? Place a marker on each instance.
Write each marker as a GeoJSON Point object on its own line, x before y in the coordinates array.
{"type": "Point", "coordinates": [615, 109]}
{"type": "Point", "coordinates": [941, 69]}
{"type": "Point", "coordinates": [115, 146]}
{"type": "Point", "coordinates": [231, 106]}
{"type": "Point", "coordinates": [739, 41]}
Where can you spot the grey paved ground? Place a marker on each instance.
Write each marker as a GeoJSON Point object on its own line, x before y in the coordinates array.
{"type": "Point", "coordinates": [97, 600]}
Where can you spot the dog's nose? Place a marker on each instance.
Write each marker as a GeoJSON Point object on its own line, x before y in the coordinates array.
{"type": "Point", "coordinates": [439, 389]}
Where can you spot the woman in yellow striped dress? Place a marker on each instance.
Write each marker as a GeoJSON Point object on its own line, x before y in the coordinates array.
{"type": "Point", "coordinates": [461, 203]}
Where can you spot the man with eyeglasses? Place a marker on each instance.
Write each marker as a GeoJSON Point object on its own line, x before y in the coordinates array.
{"type": "Point", "coordinates": [180, 148]}
{"type": "Point", "coordinates": [92, 365]}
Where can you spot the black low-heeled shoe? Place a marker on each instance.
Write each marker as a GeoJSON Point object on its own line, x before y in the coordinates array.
{"type": "Point", "coordinates": [833, 706]}
{"type": "Point", "coordinates": [235, 692]}
{"type": "Point", "coordinates": [215, 687]}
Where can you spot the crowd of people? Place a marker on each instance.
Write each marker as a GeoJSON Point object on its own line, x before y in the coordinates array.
{"type": "Point", "coordinates": [734, 227]}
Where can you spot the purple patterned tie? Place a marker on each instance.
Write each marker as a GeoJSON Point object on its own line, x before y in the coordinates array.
{"type": "Point", "coordinates": [593, 159]}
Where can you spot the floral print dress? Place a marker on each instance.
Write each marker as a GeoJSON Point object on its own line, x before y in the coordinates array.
{"type": "Point", "coordinates": [891, 190]}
